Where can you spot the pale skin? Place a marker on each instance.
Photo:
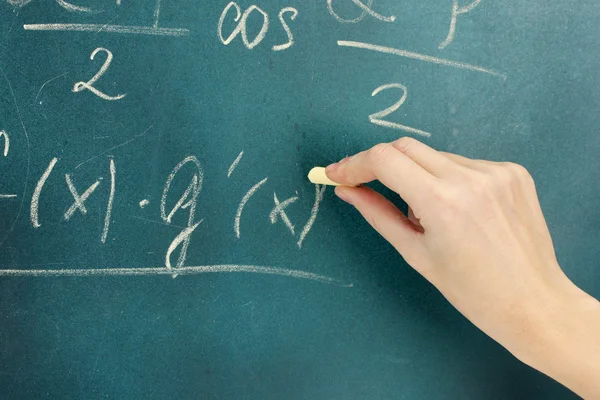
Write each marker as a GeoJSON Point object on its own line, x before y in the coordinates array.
{"type": "Point", "coordinates": [476, 231]}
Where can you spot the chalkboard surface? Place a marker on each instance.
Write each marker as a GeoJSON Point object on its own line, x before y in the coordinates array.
{"type": "Point", "coordinates": [159, 238]}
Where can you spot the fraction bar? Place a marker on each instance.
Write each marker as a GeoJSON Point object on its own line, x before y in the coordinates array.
{"type": "Point", "coordinates": [420, 57]}
{"type": "Point", "coordinates": [135, 30]}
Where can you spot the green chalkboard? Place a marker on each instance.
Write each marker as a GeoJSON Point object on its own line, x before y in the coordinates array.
{"type": "Point", "coordinates": [159, 238]}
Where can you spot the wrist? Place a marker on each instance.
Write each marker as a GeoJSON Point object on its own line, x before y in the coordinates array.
{"type": "Point", "coordinates": [563, 339]}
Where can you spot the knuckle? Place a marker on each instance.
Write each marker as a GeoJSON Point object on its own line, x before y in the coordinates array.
{"type": "Point", "coordinates": [451, 195]}
{"type": "Point", "coordinates": [516, 170]}
{"type": "Point", "coordinates": [447, 200]}
{"type": "Point", "coordinates": [380, 153]}
{"type": "Point", "coordinates": [475, 185]}
{"type": "Point", "coordinates": [405, 145]}
{"type": "Point", "coordinates": [476, 190]}
{"type": "Point", "coordinates": [450, 207]}
{"type": "Point", "coordinates": [473, 192]}
{"type": "Point", "coordinates": [374, 222]}
{"type": "Point", "coordinates": [513, 175]}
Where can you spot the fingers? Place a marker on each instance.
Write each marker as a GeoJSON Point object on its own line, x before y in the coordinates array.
{"type": "Point", "coordinates": [460, 160]}
{"type": "Point", "coordinates": [385, 218]}
{"type": "Point", "coordinates": [431, 160]}
{"type": "Point", "coordinates": [478, 165]}
{"type": "Point", "coordinates": [390, 166]}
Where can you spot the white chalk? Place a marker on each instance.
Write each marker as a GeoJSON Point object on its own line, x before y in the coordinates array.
{"type": "Point", "coordinates": [317, 176]}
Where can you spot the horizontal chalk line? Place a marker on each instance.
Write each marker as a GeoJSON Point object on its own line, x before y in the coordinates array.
{"type": "Point", "coordinates": [142, 30]}
{"type": "Point", "coordinates": [421, 57]}
{"type": "Point", "coordinates": [253, 269]}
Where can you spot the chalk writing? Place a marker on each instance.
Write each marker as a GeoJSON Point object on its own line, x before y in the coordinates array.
{"type": "Point", "coordinates": [135, 30]}
{"type": "Point", "coordinates": [79, 201]}
{"type": "Point", "coordinates": [241, 26]}
{"type": "Point", "coordinates": [286, 27]}
{"type": "Point", "coordinates": [111, 199]}
{"type": "Point", "coordinates": [279, 211]}
{"type": "Point", "coordinates": [153, 30]}
{"type": "Point", "coordinates": [182, 239]}
{"type": "Point", "coordinates": [366, 10]}
{"type": "Point", "coordinates": [35, 199]}
{"type": "Point", "coordinates": [89, 85]}
{"type": "Point", "coordinates": [320, 190]}
{"type": "Point", "coordinates": [252, 26]}
{"type": "Point", "coordinates": [456, 11]}
{"type": "Point", "coordinates": [420, 57]}
{"type": "Point", "coordinates": [187, 200]}
{"type": "Point", "coordinates": [156, 13]}
{"type": "Point", "coordinates": [4, 135]}
{"type": "Point", "coordinates": [192, 270]}
{"type": "Point", "coordinates": [18, 3]}
{"type": "Point", "coordinates": [377, 118]}
{"type": "Point", "coordinates": [73, 8]}
{"type": "Point", "coordinates": [242, 29]}
{"type": "Point", "coordinates": [234, 15]}
{"type": "Point", "coordinates": [234, 164]}
{"type": "Point", "coordinates": [240, 209]}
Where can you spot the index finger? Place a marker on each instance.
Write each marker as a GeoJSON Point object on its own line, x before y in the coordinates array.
{"type": "Point", "coordinates": [390, 166]}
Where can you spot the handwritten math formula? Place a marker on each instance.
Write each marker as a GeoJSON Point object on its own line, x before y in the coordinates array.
{"type": "Point", "coordinates": [233, 26]}
{"type": "Point", "coordinates": [278, 29]}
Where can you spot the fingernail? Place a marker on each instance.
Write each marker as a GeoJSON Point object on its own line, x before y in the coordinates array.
{"type": "Point", "coordinates": [331, 168]}
{"type": "Point", "coordinates": [343, 194]}
{"type": "Point", "coordinates": [334, 166]}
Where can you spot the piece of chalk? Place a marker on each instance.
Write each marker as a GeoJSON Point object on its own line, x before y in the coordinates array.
{"type": "Point", "coordinates": [317, 176]}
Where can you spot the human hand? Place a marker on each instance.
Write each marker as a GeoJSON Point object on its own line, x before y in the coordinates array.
{"type": "Point", "coordinates": [476, 231]}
